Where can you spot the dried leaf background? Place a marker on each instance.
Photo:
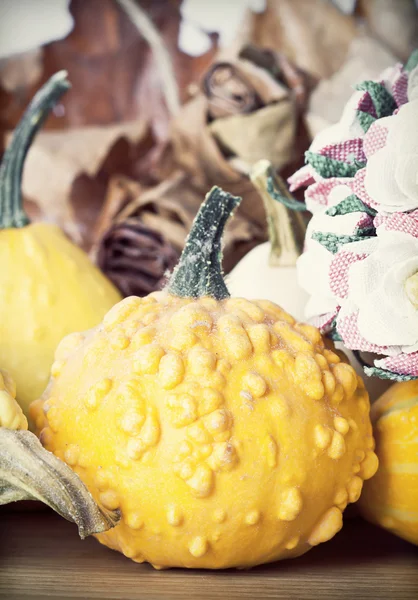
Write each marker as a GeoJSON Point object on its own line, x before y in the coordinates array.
{"type": "Point", "coordinates": [97, 132]}
{"type": "Point", "coordinates": [106, 146]}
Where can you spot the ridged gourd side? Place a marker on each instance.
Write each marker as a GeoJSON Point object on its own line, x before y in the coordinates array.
{"type": "Point", "coordinates": [390, 499]}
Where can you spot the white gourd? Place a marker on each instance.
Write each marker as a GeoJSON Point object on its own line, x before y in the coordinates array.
{"type": "Point", "coordinates": [269, 270]}
{"type": "Point", "coordinates": [254, 277]}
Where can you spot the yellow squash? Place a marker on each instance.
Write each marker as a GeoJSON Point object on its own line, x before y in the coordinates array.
{"type": "Point", "coordinates": [11, 415]}
{"type": "Point", "coordinates": [224, 431]}
{"type": "Point", "coordinates": [49, 287]}
{"type": "Point", "coordinates": [391, 498]}
{"type": "Point", "coordinates": [29, 472]}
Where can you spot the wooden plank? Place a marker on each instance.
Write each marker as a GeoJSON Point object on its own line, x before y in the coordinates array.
{"type": "Point", "coordinates": [41, 557]}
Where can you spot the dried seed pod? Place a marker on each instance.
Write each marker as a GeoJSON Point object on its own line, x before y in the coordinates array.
{"type": "Point", "coordinates": [136, 258]}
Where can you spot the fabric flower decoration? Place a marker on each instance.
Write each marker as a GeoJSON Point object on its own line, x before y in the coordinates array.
{"type": "Point", "coordinates": [376, 282]}
{"type": "Point", "coordinates": [339, 152]}
{"type": "Point", "coordinates": [360, 261]}
{"type": "Point", "coordinates": [389, 181]}
{"type": "Point", "coordinates": [344, 219]}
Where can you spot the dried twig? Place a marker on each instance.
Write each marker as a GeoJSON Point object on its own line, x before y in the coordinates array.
{"type": "Point", "coordinates": [162, 57]}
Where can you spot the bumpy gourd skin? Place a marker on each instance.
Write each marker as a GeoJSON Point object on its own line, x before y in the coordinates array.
{"type": "Point", "coordinates": [49, 289]}
{"type": "Point", "coordinates": [226, 433]}
{"type": "Point", "coordinates": [391, 498]}
{"type": "Point", "coordinates": [11, 415]}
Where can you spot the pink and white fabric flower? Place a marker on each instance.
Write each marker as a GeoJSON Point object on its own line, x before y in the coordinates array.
{"type": "Point", "coordinates": [389, 181]}
{"type": "Point", "coordinates": [376, 284]}
{"type": "Point", "coordinates": [360, 261]}
{"type": "Point", "coordinates": [315, 262]}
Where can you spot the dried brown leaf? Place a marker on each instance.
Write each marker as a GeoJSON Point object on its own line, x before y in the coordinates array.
{"type": "Point", "coordinates": [221, 151]}
{"type": "Point", "coordinates": [240, 88]}
{"type": "Point", "coordinates": [313, 34]}
{"type": "Point", "coordinates": [114, 79]}
{"type": "Point", "coordinates": [109, 64]}
{"type": "Point", "coordinates": [267, 133]}
{"type": "Point", "coordinates": [21, 71]}
{"type": "Point", "coordinates": [393, 22]}
{"type": "Point", "coordinates": [57, 160]}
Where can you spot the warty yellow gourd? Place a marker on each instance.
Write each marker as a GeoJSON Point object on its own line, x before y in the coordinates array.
{"type": "Point", "coordinates": [225, 432]}
{"type": "Point", "coordinates": [49, 287]}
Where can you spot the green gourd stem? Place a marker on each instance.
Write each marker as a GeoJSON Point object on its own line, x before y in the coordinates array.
{"type": "Point", "coordinates": [199, 271]}
{"type": "Point", "coordinates": [286, 226]}
{"type": "Point", "coordinates": [11, 202]}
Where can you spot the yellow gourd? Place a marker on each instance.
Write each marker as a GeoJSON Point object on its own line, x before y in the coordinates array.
{"type": "Point", "coordinates": [11, 415]}
{"type": "Point", "coordinates": [391, 498]}
{"type": "Point", "coordinates": [49, 287]}
{"type": "Point", "coordinates": [224, 431]}
{"type": "Point", "coordinates": [29, 472]}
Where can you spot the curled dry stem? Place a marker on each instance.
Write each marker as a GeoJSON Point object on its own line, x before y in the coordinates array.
{"type": "Point", "coordinates": [29, 472]}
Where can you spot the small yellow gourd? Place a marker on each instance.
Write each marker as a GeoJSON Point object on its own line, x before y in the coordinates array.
{"type": "Point", "coordinates": [391, 498]}
{"type": "Point", "coordinates": [29, 472]}
{"type": "Point", "coordinates": [225, 433]}
{"type": "Point", "coordinates": [49, 287]}
{"type": "Point", "coordinates": [11, 415]}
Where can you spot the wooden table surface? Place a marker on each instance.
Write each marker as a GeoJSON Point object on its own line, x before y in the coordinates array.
{"type": "Point", "coordinates": [41, 557]}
